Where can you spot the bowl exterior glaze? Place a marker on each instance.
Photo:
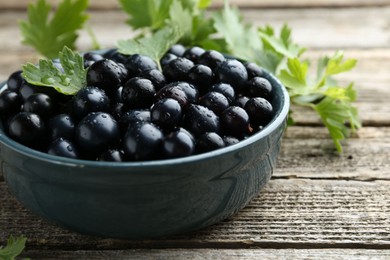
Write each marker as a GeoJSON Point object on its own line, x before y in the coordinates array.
{"type": "Point", "coordinates": [139, 200]}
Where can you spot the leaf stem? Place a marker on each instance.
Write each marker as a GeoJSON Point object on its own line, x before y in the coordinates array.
{"type": "Point", "coordinates": [95, 43]}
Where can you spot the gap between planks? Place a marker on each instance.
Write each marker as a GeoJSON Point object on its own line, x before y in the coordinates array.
{"type": "Point", "coordinates": [199, 254]}
{"type": "Point", "coordinates": [286, 214]}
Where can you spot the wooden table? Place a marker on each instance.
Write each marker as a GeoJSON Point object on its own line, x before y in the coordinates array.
{"type": "Point", "coordinates": [319, 204]}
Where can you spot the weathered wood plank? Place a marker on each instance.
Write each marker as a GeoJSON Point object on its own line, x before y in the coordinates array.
{"type": "Point", "coordinates": [113, 4]}
{"type": "Point", "coordinates": [332, 28]}
{"type": "Point", "coordinates": [198, 254]}
{"type": "Point", "coordinates": [287, 214]}
{"type": "Point", "coordinates": [308, 152]}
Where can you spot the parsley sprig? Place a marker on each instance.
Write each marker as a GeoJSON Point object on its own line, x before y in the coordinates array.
{"type": "Point", "coordinates": [13, 248]}
{"type": "Point", "coordinates": [48, 34]}
{"type": "Point", "coordinates": [160, 24]}
{"type": "Point", "coordinates": [277, 53]}
{"type": "Point", "coordinates": [164, 23]}
{"type": "Point", "coordinates": [332, 102]}
{"type": "Point", "coordinates": [67, 78]}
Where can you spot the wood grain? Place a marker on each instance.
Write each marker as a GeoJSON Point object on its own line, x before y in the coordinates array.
{"type": "Point", "coordinates": [288, 213]}
{"type": "Point", "coordinates": [318, 205]}
{"type": "Point", "coordinates": [199, 254]}
{"type": "Point", "coordinates": [307, 152]}
{"type": "Point", "coordinates": [328, 28]}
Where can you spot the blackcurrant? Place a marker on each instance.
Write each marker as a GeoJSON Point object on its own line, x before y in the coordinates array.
{"type": "Point", "coordinates": [235, 121]}
{"type": "Point", "coordinates": [211, 58]}
{"type": "Point", "coordinates": [143, 141]}
{"type": "Point", "coordinates": [107, 75]}
{"type": "Point", "coordinates": [259, 110]}
{"type": "Point", "coordinates": [178, 69]}
{"type": "Point", "coordinates": [40, 104]}
{"type": "Point", "coordinates": [138, 93]}
{"type": "Point", "coordinates": [166, 113]}
{"type": "Point", "coordinates": [97, 132]}
{"type": "Point", "coordinates": [15, 80]}
{"type": "Point", "coordinates": [199, 120]}
{"type": "Point", "coordinates": [215, 101]}
{"type": "Point", "coordinates": [89, 99]}
{"type": "Point", "coordinates": [28, 129]}
{"type": "Point", "coordinates": [61, 125]}
{"type": "Point", "coordinates": [208, 142]}
{"type": "Point", "coordinates": [233, 72]}
{"type": "Point", "coordinates": [179, 143]}
{"type": "Point", "coordinates": [10, 102]}
{"type": "Point", "coordinates": [63, 147]}
{"type": "Point", "coordinates": [137, 64]}
{"type": "Point", "coordinates": [258, 87]}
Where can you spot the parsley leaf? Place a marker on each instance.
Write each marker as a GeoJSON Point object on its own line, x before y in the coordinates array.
{"type": "Point", "coordinates": [277, 48]}
{"type": "Point", "coordinates": [155, 46]}
{"type": "Point", "coordinates": [49, 36]}
{"type": "Point", "coordinates": [333, 103]}
{"type": "Point", "coordinates": [69, 81]}
{"type": "Point", "coordinates": [146, 13]}
{"type": "Point", "coordinates": [243, 40]}
{"type": "Point", "coordinates": [13, 248]}
{"type": "Point", "coordinates": [334, 113]}
{"type": "Point", "coordinates": [154, 15]}
{"type": "Point", "coordinates": [282, 44]}
{"type": "Point", "coordinates": [191, 20]}
{"type": "Point", "coordinates": [178, 25]}
{"type": "Point", "coordinates": [237, 35]}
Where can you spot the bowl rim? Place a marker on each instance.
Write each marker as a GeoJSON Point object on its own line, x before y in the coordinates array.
{"type": "Point", "coordinates": [278, 119]}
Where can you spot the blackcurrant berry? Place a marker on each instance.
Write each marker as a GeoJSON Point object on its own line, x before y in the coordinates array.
{"type": "Point", "coordinates": [208, 142]}
{"type": "Point", "coordinates": [138, 93]}
{"type": "Point", "coordinates": [63, 147]}
{"type": "Point", "coordinates": [143, 141]}
{"type": "Point", "coordinates": [235, 121]}
{"type": "Point", "coordinates": [166, 113]}
{"type": "Point", "coordinates": [259, 110]}
{"type": "Point", "coordinates": [179, 143]}
{"type": "Point", "coordinates": [97, 132]}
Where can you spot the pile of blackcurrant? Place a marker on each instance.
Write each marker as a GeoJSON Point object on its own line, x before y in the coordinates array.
{"type": "Point", "coordinates": [131, 110]}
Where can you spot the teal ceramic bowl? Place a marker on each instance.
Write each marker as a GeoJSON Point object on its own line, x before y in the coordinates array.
{"type": "Point", "coordinates": [140, 200]}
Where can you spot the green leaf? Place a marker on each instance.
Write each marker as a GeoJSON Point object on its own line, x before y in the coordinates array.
{"type": "Point", "coordinates": [348, 94]}
{"type": "Point", "coordinates": [68, 82]}
{"type": "Point", "coordinates": [180, 19]}
{"type": "Point", "coordinates": [13, 248]}
{"type": "Point", "coordinates": [321, 66]}
{"type": "Point", "coordinates": [334, 113]}
{"type": "Point", "coordinates": [330, 101]}
{"type": "Point", "coordinates": [203, 4]}
{"type": "Point", "coordinates": [268, 60]}
{"type": "Point", "coordinates": [146, 13]}
{"type": "Point", "coordinates": [282, 44]}
{"type": "Point", "coordinates": [48, 35]}
{"type": "Point", "coordinates": [202, 28]}
{"type": "Point", "coordinates": [295, 77]}
{"type": "Point", "coordinates": [154, 46]}
{"type": "Point", "coordinates": [237, 34]}
{"type": "Point", "coordinates": [336, 64]}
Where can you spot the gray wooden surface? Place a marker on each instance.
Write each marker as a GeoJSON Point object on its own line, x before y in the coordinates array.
{"type": "Point", "coordinates": [319, 204]}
